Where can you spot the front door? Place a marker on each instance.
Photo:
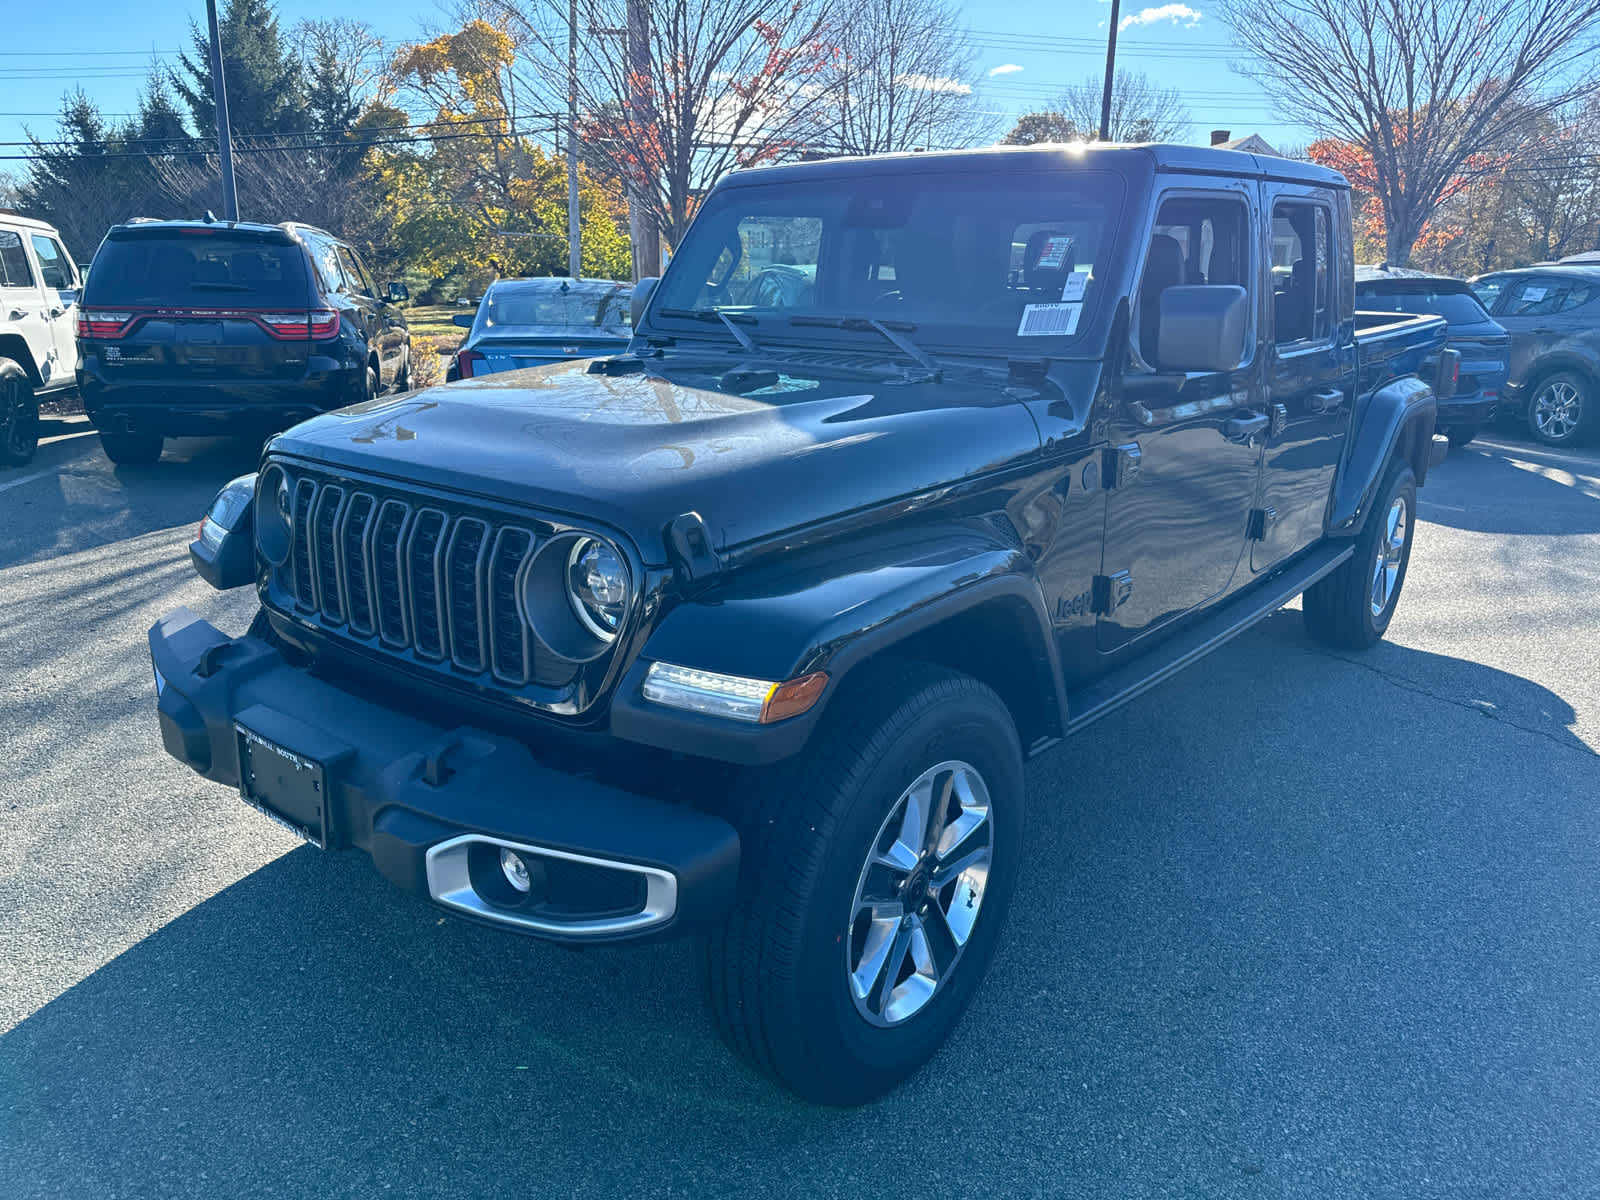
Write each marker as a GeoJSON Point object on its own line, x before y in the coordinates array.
{"type": "Point", "coordinates": [1186, 448]}
{"type": "Point", "coordinates": [1310, 372]}
{"type": "Point", "coordinates": [24, 305]}
{"type": "Point", "coordinates": [60, 281]}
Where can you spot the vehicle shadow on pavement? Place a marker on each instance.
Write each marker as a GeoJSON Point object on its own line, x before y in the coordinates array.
{"type": "Point", "coordinates": [89, 502]}
{"type": "Point", "coordinates": [1487, 488]}
{"type": "Point", "coordinates": [1261, 946]}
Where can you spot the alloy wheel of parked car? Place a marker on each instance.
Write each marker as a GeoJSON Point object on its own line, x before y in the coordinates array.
{"type": "Point", "coordinates": [19, 416]}
{"type": "Point", "coordinates": [919, 895]}
{"type": "Point", "coordinates": [1390, 556]}
{"type": "Point", "coordinates": [1558, 408]}
{"type": "Point", "coordinates": [1352, 606]}
{"type": "Point", "coordinates": [877, 868]}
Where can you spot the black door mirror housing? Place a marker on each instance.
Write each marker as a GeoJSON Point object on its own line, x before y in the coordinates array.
{"type": "Point", "coordinates": [399, 293]}
{"type": "Point", "coordinates": [462, 319]}
{"type": "Point", "coordinates": [1202, 328]}
{"type": "Point", "coordinates": [641, 297]}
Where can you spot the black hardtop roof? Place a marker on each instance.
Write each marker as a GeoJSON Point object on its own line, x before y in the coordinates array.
{"type": "Point", "coordinates": [1126, 159]}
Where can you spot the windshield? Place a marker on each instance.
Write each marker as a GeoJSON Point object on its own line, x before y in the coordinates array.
{"type": "Point", "coordinates": [964, 259]}
{"type": "Point", "coordinates": [1456, 307]}
{"type": "Point", "coordinates": [559, 303]}
{"type": "Point", "coordinates": [199, 269]}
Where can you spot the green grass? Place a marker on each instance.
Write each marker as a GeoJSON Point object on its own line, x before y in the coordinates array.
{"type": "Point", "coordinates": [433, 320]}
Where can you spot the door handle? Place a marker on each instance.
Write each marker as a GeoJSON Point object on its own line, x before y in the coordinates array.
{"type": "Point", "coordinates": [1245, 429]}
{"type": "Point", "coordinates": [1324, 402]}
{"type": "Point", "coordinates": [56, 312]}
{"type": "Point", "coordinates": [17, 314]}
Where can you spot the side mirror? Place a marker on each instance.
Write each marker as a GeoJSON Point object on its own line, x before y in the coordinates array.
{"type": "Point", "coordinates": [1201, 328]}
{"type": "Point", "coordinates": [463, 319]}
{"type": "Point", "coordinates": [399, 293]}
{"type": "Point", "coordinates": [641, 297]}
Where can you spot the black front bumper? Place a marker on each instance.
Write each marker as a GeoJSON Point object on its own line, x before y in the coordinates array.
{"type": "Point", "coordinates": [433, 806]}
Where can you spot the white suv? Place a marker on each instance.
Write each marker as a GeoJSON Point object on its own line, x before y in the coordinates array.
{"type": "Point", "coordinates": [38, 315]}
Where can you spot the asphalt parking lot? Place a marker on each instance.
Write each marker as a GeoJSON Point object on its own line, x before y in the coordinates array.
{"type": "Point", "coordinates": [1295, 924]}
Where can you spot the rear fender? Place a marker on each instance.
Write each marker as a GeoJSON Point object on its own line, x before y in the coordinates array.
{"type": "Point", "coordinates": [832, 610]}
{"type": "Point", "coordinates": [1398, 420]}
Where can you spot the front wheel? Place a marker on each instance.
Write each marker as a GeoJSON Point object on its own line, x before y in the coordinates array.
{"type": "Point", "coordinates": [19, 416]}
{"type": "Point", "coordinates": [1558, 410]}
{"type": "Point", "coordinates": [1351, 608]}
{"type": "Point", "coordinates": [878, 867]}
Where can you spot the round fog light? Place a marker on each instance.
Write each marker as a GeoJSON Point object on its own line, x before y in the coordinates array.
{"type": "Point", "coordinates": [514, 869]}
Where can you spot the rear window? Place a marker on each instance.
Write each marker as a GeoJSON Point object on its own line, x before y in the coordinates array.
{"type": "Point", "coordinates": [202, 269]}
{"type": "Point", "coordinates": [560, 304]}
{"type": "Point", "coordinates": [1457, 308]}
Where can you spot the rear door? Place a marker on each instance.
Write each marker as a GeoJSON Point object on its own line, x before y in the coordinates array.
{"type": "Point", "coordinates": [58, 277]}
{"type": "Point", "coordinates": [363, 294]}
{"type": "Point", "coordinates": [1310, 369]}
{"type": "Point", "coordinates": [24, 306]}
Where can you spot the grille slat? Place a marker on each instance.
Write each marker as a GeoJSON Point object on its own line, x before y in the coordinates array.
{"type": "Point", "coordinates": [428, 579]}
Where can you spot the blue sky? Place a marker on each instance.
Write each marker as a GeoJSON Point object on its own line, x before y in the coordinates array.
{"type": "Point", "coordinates": [1033, 48]}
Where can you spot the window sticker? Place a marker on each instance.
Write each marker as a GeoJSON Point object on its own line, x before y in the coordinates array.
{"type": "Point", "coordinates": [1053, 254]}
{"type": "Point", "coordinates": [1049, 320]}
{"type": "Point", "coordinates": [1076, 283]}
{"type": "Point", "coordinates": [1534, 294]}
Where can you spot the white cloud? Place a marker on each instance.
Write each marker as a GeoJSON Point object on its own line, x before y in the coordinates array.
{"type": "Point", "coordinates": [1008, 69]}
{"type": "Point", "coordinates": [934, 83]}
{"type": "Point", "coordinates": [1175, 13]}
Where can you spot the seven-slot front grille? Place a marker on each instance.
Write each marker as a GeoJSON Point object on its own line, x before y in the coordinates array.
{"type": "Point", "coordinates": [416, 574]}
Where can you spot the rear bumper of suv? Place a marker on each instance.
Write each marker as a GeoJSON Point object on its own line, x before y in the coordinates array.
{"type": "Point", "coordinates": [198, 409]}
{"type": "Point", "coordinates": [1473, 410]}
{"type": "Point", "coordinates": [439, 810]}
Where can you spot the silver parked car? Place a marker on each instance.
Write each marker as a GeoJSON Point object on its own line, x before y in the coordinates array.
{"type": "Point", "coordinates": [530, 322]}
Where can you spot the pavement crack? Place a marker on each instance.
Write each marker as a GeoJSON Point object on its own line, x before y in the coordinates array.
{"type": "Point", "coordinates": [1494, 714]}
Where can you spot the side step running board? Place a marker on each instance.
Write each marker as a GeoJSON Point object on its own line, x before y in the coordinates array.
{"type": "Point", "coordinates": [1112, 691]}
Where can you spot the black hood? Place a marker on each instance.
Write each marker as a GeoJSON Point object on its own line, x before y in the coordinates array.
{"type": "Point", "coordinates": [634, 451]}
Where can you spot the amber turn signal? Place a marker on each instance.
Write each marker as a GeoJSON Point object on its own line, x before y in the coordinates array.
{"type": "Point", "coordinates": [794, 697]}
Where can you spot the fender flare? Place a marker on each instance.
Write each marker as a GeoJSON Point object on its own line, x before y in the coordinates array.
{"type": "Point", "coordinates": [1398, 419]}
{"type": "Point", "coordinates": [830, 611]}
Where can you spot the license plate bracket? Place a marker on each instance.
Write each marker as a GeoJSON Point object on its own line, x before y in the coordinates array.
{"type": "Point", "coordinates": [288, 773]}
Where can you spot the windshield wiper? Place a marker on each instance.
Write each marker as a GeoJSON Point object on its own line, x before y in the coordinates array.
{"type": "Point", "coordinates": [731, 320]}
{"type": "Point", "coordinates": [892, 330]}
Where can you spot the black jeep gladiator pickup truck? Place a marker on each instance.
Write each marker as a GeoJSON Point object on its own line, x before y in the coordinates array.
{"type": "Point", "coordinates": [915, 466]}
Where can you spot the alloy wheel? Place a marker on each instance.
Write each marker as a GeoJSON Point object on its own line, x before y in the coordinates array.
{"type": "Point", "coordinates": [1557, 409]}
{"type": "Point", "coordinates": [919, 894]}
{"type": "Point", "coordinates": [1390, 557]}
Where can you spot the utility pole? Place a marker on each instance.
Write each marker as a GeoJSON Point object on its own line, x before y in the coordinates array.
{"type": "Point", "coordinates": [641, 218]}
{"type": "Point", "coordinates": [574, 246]}
{"type": "Point", "coordinates": [219, 95]}
{"type": "Point", "coordinates": [1111, 72]}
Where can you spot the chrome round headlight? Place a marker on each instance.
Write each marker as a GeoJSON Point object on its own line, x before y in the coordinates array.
{"type": "Point", "coordinates": [597, 586]}
{"type": "Point", "coordinates": [274, 515]}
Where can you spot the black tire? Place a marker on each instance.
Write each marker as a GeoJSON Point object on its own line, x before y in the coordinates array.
{"type": "Point", "coordinates": [402, 379]}
{"type": "Point", "coordinates": [1462, 435]}
{"type": "Point", "coordinates": [132, 449]}
{"type": "Point", "coordinates": [19, 415]}
{"type": "Point", "coordinates": [1339, 607]}
{"type": "Point", "coordinates": [1559, 409]}
{"type": "Point", "coordinates": [373, 384]}
{"type": "Point", "coordinates": [776, 977]}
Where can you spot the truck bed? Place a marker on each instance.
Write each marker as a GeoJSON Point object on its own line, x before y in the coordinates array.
{"type": "Point", "coordinates": [1392, 344]}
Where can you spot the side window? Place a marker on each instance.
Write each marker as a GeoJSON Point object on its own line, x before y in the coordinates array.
{"type": "Point", "coordinates": [367, 283]}
{"type": "Point", "coordinates": [326, 261]}
{"type": "Point", "coordinates": [1196, 240]}
{"type": "Point", "coordinates": [1488, 290]}
{"type": "Point", "coordinates": [353, 272]}
{"type": "Point", "coordinates": [1544, 296]}
{"type": "Point", "coordinates": [53, 267]}
{"type": "Point", "coordinates": [1302, 273]}
{"type": "Point", "coordinates": [14, 270]}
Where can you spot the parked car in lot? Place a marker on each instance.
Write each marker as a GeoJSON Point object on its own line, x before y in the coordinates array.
{"type": "Point", "coordinates": [747, 633]}
{"type": "Point", "coordinates": [531, 322]}
{"type": "Point", "coordinates": [1482, 344]}
{"type": "Point", "coordinates": [1553, 316]}
{"type": "Point", "coordinates": [38, 299]}
{"type": "Point", "coordinates": [208, 327]}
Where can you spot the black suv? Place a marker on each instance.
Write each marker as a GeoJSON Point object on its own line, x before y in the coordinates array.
{"type": "Point", "coordinates": [208, 327]}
